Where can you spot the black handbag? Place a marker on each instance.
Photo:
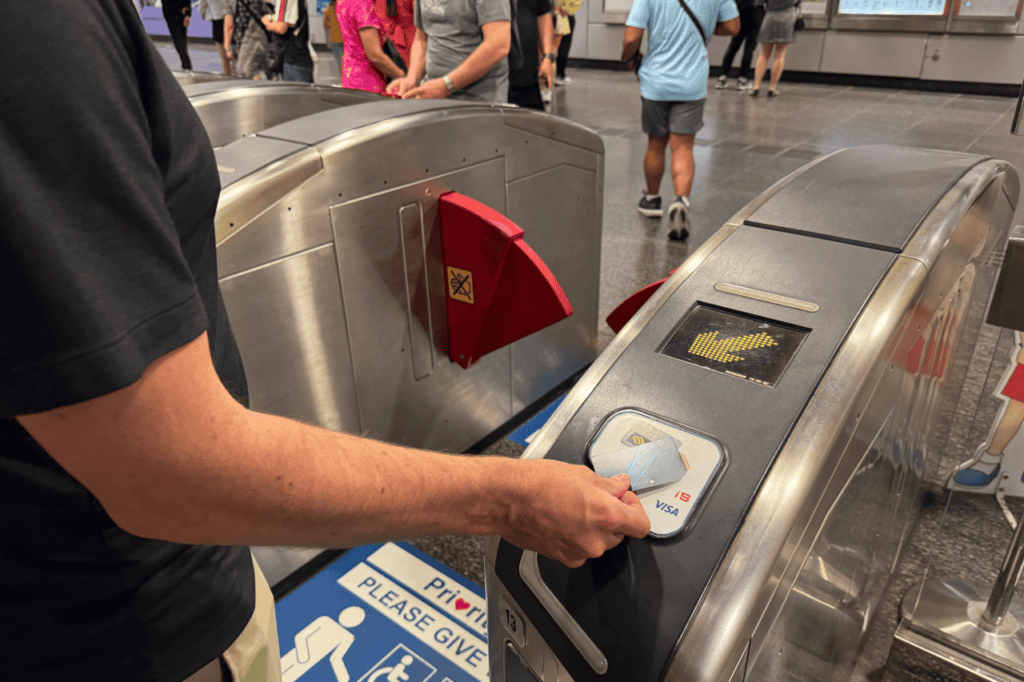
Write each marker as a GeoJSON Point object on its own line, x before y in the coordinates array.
{"type": "Point", "coordinates": [391, 50]}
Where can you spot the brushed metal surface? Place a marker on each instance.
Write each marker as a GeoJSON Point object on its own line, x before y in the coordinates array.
{"type": "Point", "coordinates": [189, 77]}
{"type": "Point", "coordinates": [914, 657]}
{"type": "Point", "coordinates": [949, 611]}
{"type": "Point", "coordinates": [541, 361]}
{"type": "Point", "coordinates": [232, 113]}
{"type": "Point", "coordinates": [293, 342]}
{"type": "Point", "coordinates": [767, 296]}
{"type": "Point", "coordinates": [1007, 307]}
{"type": "Point", "coordinates": [268, 215]}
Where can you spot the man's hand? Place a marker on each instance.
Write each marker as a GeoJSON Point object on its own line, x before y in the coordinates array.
{"type": "Point", "coordinates": [571, 514]}
{"type": "Point", "coordinates": [545, 72]}
{"type": "Point", "coordinates": [432, 89]}
{"type": "Point", "coordinates": [400, 86]}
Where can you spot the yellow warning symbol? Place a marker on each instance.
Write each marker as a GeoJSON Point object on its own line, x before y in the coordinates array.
{"type": "Point", "coordinates": [708, 345]}
{"type": "Point", "coordinates": [460, 285]}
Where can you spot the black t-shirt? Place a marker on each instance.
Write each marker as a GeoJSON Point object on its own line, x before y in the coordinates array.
{"type": "Point", "coordinates": [108, 190]}
{"type": "Point", "coordinates": [527, 12]}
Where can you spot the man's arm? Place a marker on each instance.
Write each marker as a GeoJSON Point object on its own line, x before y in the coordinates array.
{"type": "Point", "coordinates": [417, 66]}
{"type": "Point", "coordinates": [495, 46]}
{"type": "Point", "coordinates": [546, 33]}
{"type": "Point", "coordinates": [631, 42]}
{"type": "Point", "coordinates": [229, 32]}
{"type": "Point", "coordinates": [729, 27]}
{"type": "Point", "coordinates": [173, 456]}
{"type": "Point", "coordinates": [278, 27]}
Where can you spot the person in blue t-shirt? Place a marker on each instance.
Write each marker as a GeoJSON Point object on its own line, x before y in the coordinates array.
{"type": "Point", "coordinates": [673, 86]}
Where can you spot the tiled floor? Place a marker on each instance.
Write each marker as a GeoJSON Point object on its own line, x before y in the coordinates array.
{"type": "Point", "coordinates": [746, 145]}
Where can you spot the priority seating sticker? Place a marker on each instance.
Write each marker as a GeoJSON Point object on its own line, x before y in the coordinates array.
{"type": "Point", "coordinates": [384, 613]}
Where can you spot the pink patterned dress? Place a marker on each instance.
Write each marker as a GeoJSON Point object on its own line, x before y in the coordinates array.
{"type": "Point", "coordinates": [357, 72]}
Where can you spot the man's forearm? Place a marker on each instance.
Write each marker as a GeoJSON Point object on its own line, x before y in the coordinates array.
{"type": "Point", "coordinates": [278, 482]}
{"type": "Point", "coordinates": [208, 471]}
{"type": "Point", "coordinates": [418, 57]}
{"type": "Point", "coordinates": [493, 49]}
{"type": "Point", "coordinates": [546, 31]}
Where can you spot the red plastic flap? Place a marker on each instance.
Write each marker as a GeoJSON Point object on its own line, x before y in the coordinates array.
{"type": "Point", "coordinates": [498, 289]}
{"type": "Point", "coordinates": [627, 309]}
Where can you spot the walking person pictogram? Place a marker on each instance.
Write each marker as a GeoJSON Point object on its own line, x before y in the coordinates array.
{"type": "Point", "coordinates": [324, 637]}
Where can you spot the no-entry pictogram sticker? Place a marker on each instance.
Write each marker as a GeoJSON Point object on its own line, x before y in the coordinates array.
{"type": "Point", "coordinates": [460, 285]}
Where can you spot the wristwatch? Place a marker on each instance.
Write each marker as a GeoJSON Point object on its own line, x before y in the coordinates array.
{"type": "Point", "coordinates": [553, 56]}
{"type": "Point", "coordinates": [448, 83]}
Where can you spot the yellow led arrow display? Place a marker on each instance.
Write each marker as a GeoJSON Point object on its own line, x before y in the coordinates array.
{"type": "Point", "coordinates": [708, 345]}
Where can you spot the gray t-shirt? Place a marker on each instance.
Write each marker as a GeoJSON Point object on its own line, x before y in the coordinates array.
{"type": "Point", "coordinates": [453, 32]}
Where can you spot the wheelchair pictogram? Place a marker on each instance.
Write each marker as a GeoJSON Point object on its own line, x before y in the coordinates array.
{"type": "Point", "coordinates": [401, 665]}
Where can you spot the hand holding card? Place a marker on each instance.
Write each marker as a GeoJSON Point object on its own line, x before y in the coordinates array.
{"type": "Point", "coordinates": [648, 465]}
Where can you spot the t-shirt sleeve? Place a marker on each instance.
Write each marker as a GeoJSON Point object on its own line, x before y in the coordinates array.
{"type": "Point", "coordinates": [639, 14]}
{"type": "Point", "coordinates": [95, 282]}
{"type": "Point", "coordinates": [488, 11]}
{"type": "Point", "coordinates": [364, 15]}
{"type": "Point", "coordinates": [543, 7]}
{"type": "Point", "coordinates": [416, 21]}
{"type": "Point", "coordinates": [288, 11]}
{"type": "Point", "coordinates": [728, 10]}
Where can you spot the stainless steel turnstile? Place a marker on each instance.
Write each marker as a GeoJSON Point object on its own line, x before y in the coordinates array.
{"type": "Point", "coordinates": [231, 108]}
{"type": "Point", "coordinates": [328, 249]}
{"type": "Point", "coordinates": [188, 77]}
{"type": "Point", "coordinates": [798, 360]}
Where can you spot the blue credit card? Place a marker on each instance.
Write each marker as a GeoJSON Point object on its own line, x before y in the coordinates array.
{"type": "Point", "coordinates": [648, 465]}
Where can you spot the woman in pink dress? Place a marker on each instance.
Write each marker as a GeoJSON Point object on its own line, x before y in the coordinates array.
{"type": "Point", "coordinates": [364, 65]}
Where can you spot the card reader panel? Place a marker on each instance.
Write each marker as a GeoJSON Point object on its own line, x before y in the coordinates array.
{"type": "Point", "coordinates": [659, 582]}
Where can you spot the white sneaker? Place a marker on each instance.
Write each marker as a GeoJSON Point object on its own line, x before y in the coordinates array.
{"type": "Point", "coordinates": [744, 84]}
{"type": "Point", "coordinates": [546, 95]}
{"type": "Point", "coordinates": [559, 80]}
{"type": "Point", "coordinates": [679, 219]}
{"type": "Point", "coordinates": [722, 83]}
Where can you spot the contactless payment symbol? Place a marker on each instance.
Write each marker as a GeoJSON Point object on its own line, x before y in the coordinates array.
{"type": "Point", "coordinates": [460, 285]}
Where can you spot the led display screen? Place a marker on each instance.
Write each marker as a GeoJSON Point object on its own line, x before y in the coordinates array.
{"type": "Point", "coordinates": [738, 345]}
{"type": "Point", "coordinates": [903, 8]}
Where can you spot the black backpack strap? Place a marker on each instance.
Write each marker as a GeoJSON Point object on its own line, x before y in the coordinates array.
{"type": "Point", "coordinates": [700, 29]}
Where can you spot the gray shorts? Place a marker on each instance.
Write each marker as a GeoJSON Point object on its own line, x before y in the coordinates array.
{"type": "Point", "coordinates": [680, 118]}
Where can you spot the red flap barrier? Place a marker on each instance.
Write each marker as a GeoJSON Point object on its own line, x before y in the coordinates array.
{"type": "Point", "coordinates": [627, 309]}
{"type": "Point", "coordinates": [498, 289]}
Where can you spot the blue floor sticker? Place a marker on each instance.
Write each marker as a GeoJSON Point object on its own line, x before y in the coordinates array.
{"type": "Point", "coordinates": [384, 613]}
{"type": "Point", "coordinates": [525, 433]}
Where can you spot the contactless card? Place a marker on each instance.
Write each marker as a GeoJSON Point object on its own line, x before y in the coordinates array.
{"type": "Point", "coordinates": [642, 431]}
{"type": "Point", "coordinates": [649, 465]}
